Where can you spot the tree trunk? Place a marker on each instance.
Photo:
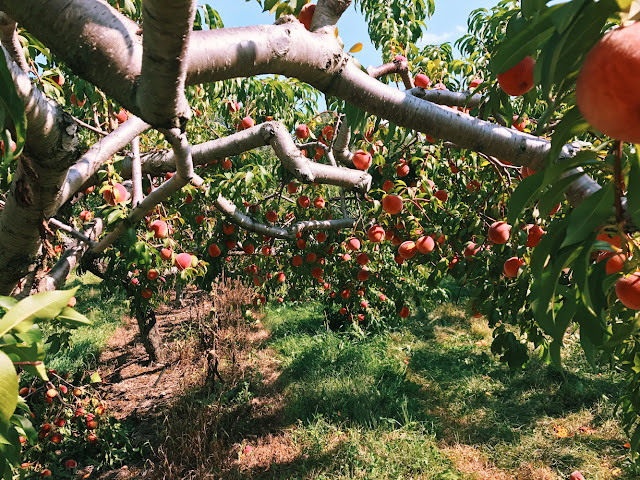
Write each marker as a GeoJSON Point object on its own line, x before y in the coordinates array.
{"type": "Point", "coordinates": [149, 333]}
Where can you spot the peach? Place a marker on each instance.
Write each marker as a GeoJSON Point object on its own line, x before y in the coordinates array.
{"type": "Point", "coordinates": [183, 261]}
{"type": "Point", "coordinates": [159, 228]}
{"type": "Point", "coordinates": [606, 89]}
{"type": "Point", "coordinates": [392, 204]}
{"type": "Point", "coordinates": [425, 244]}
{"type": "Point", "coordinates": [302, 131]}
{"type": "Point", "coordinates": [115, 194]}
{"type": "Point", "coordinates": [362, 160]}
{"type": "Point", "coordinates": [499, 232]}
{"type": "Point", "coordinates": [511, 267]}
{"type": "Point", "coordinates": [628, 290]}
{"type": "Point", "coordinates": [407, 249]}
{"type": "Point", "coordinates": [518, 80]}
{"type": "Point", "coordinates": [306, 15]}
{"type": "Point", "coordinates": [422, 81]}
{"type": "Point", "coordinates": [375, 234]}
{"type": "Point", "coordinates": [304, 201]}
{"type": "Point", "coordinates": [353, 244]}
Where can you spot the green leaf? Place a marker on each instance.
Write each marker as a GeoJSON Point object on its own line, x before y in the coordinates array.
{"type": "Point", "coordinates": [591, 213]}
{"type": "Point", "coordinates": [633, 197]}
{"type": "Point", "coordinates": [8, 389]}
{"type": "Point", "coordinates": [95, 378]}
{"type": "Point", "coordinates": [572, 124]}
{"type": "Point", "coordinates": [555, 194]}
{"type": "Point", "coordinates": [525, 193]}
{"type": "Point", "coordinates": [526, 42]}
{"type": "Point", "coordinates": [73, 318]}
{"type": "Point", "coordinates": [7, 302]}
{"type": "Point", "coordinates": [45, 305]}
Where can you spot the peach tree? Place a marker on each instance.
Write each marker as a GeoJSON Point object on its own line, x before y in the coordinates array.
{"type": "Point", "coordinates": [160, 150]}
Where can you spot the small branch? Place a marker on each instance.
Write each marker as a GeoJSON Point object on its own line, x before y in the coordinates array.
{"type": "Point", "coordinates": [136, 172]}
{"type": "Point", "coordinates": [246, 222]}
{"type": "Point", "coordinates": [400, 67]}
{"type": "Point", "coordinates": [446, 97]}
{"type": "Point", "coordinates": [71, 231]}
{"type": "Point", "coordinates": [341, 145]}
{"type": "Point", "coordinates": [90, 127]}
{"type": "Point", "coordinates": [70, 258]}
{"type": "Point", "coordinates": [617, 182]}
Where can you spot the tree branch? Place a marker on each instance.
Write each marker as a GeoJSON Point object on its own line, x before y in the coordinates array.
{"type": "Point", "coordinates": [11, 42]}
{"type": "Point", "coordinates": [246, 222]}
{"type": "Point", "coordinates": [327, 14]}
{"type": "Point", "coordinates": [166, 32]}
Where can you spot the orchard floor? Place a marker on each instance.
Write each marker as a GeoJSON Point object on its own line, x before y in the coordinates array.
{"type": "Point", "coordinates": [424, 400]}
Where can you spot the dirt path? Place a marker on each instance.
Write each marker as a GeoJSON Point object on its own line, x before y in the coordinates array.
{"type": "Point", "coordinates": [143, 392]}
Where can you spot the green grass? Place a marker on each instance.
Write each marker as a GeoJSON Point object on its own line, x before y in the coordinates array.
{"type": "Point", "coordinates": [106, 312]}
{"type": "Point", "coordinates": [396, 404]}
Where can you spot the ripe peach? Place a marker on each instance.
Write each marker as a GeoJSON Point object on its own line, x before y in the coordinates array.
{"type": "Point", "coordinates": [272, 216]}
{"type": "Point", "coordinates": [304, 201]}
{"type": "Point", "coordinates": [306, 15]}
{"type": "Point", "coordinates": [615, 263]}
{"type": "Point", "coordinates": [519, 126]}
{"type": "Point", "coordinates": [526, 172]}
{"type": "Point", "coordinates": [534, 235]}
{"type": "Point", "coordinates": [318, 202]}
{"type": "Point", "coordinates": [228, 229]}
{"type": "Point", "coordinates": [76, 102]}
{"type": "Point", "coordinates": [407, 249]}
{"type": "Point", "coordinates": [153, 274]}
{"type": "Point", "coordinates": [302, 131]}
{"type": "Point", "coordinates": [375, 234]}
{"type": "Point", "coordinates": [183, 260]}
{"type": "Point", "coordinates": [281, 277]}
{"type": "Point", "coordinates": [511, 267]}
{"type": "Point", "coordinates": [628, 290]}
{"type": "Point", "coordinates": [441, 195]}
{"type": "Point", "coordinates": [404, 312]}
{"type": "Point", "coordinates": [301, 243]}
{"type": "Point", "coordinates": [343, 311]}
{"type": "Point", "coordinates": [346, 293]}
{"type": "Point", "coordinates": [362, 160]}
{"type": "Point", "coordinates": [422, 80]}
{"type": "Point", "coordinates": [159, 228]}
{"type": "Point", "coordinates": [292, 187]}
{"type": "Point", "coordinates": [403, 170]}
{"type": "Point", "coordinates": [475, 83]}
{"type": "Point", "coordinates": [606, 91]}
{"type": "Point", "coordinates": [425, 244]}
{"type": "Point", "coordinates": [499, 232]}
{"type": "Point", "coordinates": [321, 237]}
{"type": "Point", "coordinates": [316, 272]}
{"type": "Point", "coordinates": [115, 194]}
{"type": "Point", "coordinates": [296, 261]}
{"type": "Point", "coordinates": [362, 259]}
{"type": "Point", "coordinates": [122, 116]}
{"type": "Point", "coordinates": [247, 122]}
{"type": "Point", "coordinates": [249, 248]}
{"type": "Point", "coordinates": [70, 464]}
{"type": "Point", "coordinates": [518, 80]}
{"type": "Point", "coordinates": [146, 293]}
{"type": "Point", "coordinates": [166, 253]}
{"type": "Point", "coordinates": [72, 303]}
{"type": "Point", "coordinates": [392, 204]}
{"type": "Point", "coordinates": [311, 257]}
{"type": "Point", "coordinates": [470, 251]}
{"type": "Point", "coordinates": [363, 275]}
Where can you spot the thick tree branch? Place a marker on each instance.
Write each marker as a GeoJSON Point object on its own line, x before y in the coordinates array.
{"type": "Point", "coordinates": [269, 133]}
{"type": "Point", "coordinates": [246, 222]}
{"type": "Point", "coordinates": [94, 158]}
{"type": "Point", "coordinates": [327, 14]}
{"type": "Point", "coordinates": [136, 172]}
{"type": "Point", "coordinates": [11, 42]}
{"type": "Point", "coordinates": [166, 32]}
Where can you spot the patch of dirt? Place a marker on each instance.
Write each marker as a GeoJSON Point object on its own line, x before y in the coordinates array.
{"type": "Point", "coordinates": [133, 385]}
{"type": "Point", "coordinates": [471, 462]}
{"type": "Point", "coordinates": [176, 408]}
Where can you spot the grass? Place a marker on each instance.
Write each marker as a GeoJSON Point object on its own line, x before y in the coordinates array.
{"type": "Point", "coordinates": [106, 312]}
{"type": "Point", "coordinates": [429, 399]}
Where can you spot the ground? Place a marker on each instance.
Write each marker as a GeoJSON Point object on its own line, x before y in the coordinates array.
{"type": "Point", "coordinates": [425, 399]}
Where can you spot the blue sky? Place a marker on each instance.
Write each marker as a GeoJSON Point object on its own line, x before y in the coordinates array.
{"type": "Point", "coordinates": [448, 23]}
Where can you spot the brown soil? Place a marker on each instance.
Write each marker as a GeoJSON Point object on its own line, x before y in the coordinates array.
{"type": "Point", "coordinates": [158, 398]}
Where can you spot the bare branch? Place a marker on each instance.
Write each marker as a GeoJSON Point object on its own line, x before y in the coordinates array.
{"type": "Point", "coordinates": [136, 172]}
{"type": "Point", "coordinates": [71, 231]}
{"type": "Point", "coordinates": [166, 32]}
{"type": "Point", "coordinates": [446, 97]}
{"type": "Point", "coordinates": [94, 158]}
{"type": "Point", "coordinates": [341, 145]}
{"type": "Point", "coordinates": [70, 259]}
{"type": "Point", "coordinates": [248, 223]}
{"type": "Point", "coordinates": [400, 67]}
